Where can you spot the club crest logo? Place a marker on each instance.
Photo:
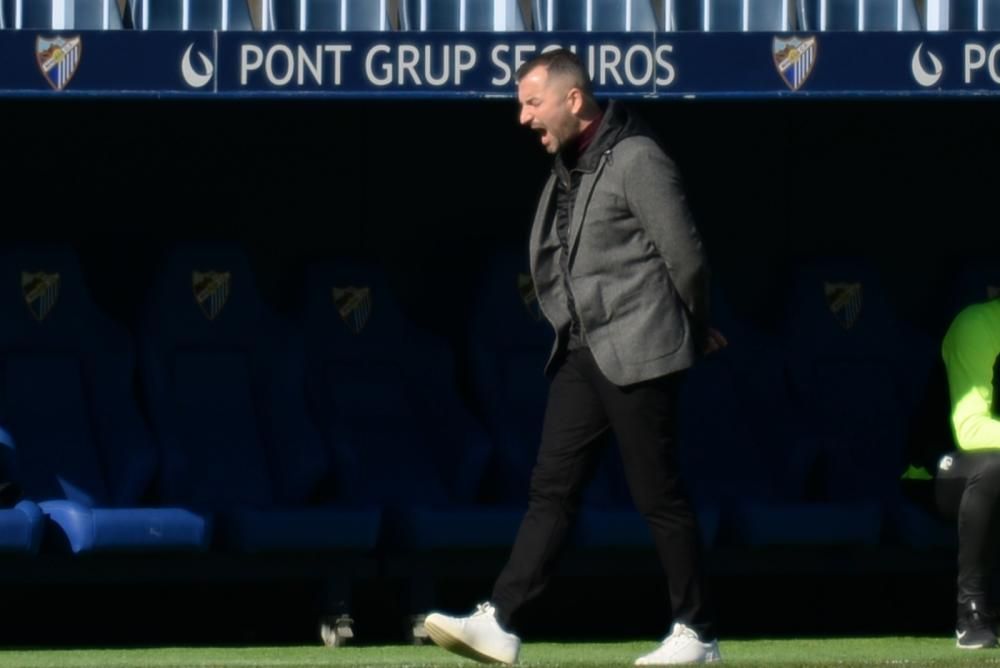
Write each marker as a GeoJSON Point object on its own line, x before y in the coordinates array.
{"type": "Point", "coordinates": [794, 58]}
{"type": "Point", "coordinates": [211, 291]}
{"type": "Point", "coordinates": [41, 291]}
{"type": "Point", "coordinates": [58, 58]}
{"type": "Point", "coordinates": [844, 301]}
{"type": "Point", "coordinates": [354, 305]}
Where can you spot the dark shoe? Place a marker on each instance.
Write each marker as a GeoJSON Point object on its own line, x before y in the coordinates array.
{"type": "Point", "coordinates": [974, 629]}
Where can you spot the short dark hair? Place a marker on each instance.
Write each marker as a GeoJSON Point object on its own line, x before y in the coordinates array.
{"type": "Point", "coordinates": [560, 62]}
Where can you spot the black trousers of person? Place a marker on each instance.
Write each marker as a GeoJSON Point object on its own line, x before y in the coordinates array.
{"type": "Point", "coordinates": [967, 487]}
{"type": "Point", "coordinates": [582, 406]}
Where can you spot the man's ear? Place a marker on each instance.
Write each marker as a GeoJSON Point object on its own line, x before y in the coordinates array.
{"type": "Point", "coordinates": [575, 96]}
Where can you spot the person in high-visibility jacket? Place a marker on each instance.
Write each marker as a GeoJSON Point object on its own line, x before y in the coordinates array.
{"type": "Point", "coordinates": [968, 480]}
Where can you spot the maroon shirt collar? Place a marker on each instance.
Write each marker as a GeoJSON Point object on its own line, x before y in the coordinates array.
{"type": "Point", "coordinates": [587, 136]}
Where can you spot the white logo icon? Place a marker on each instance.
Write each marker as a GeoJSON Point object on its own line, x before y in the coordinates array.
{"type": "Point", "coordinates": [946, 463]}
{"type": "Point", "coordinates": [920, 74]}
{"type": "Point", "coordinates": [194, 78]}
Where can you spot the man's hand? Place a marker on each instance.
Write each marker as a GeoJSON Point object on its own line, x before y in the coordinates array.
{"type": "Point", "coordinates": [714, 340]}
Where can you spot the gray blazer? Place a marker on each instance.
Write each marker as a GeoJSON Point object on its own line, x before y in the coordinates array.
{"type": "Point", "coordinates": [637, 268]}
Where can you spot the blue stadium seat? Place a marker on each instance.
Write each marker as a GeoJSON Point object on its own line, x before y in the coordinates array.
{"type": "Point", "coordinates": [597, 15]}
{"type": "Point", "coordinates": [509, 345]}
{"type": "Point", "coordinates": [386, 395]}
{"type": "Point", "coordinates": [738, 429]}
{"type": "Point", "coordinates": [728, 15]}
{"type": "Point", "coordinates": [61, 14]}
{"type": "Point", "coordinates": [83, 451]}
{"type": "Point", "coordinates": [22, 525]}
{"type": "Point", "coordinates": [736, 460]}
{"type": "Point", "coordinates": [341, 15]}
{"type": "Point", "coordinates": [191, 15]}
{"type": "Point", "coordinates": [888, 15]}
{"type": "Point", "coordinates": [857, 373]}
{"type": "Point", "coordinates": [461, 15]}
{"type": "Point", "coordinates": [224, 385]}
{"type": "Point", "coordinates": [974, 15]}
{"type": "Point", "coordinates": [21, 528]}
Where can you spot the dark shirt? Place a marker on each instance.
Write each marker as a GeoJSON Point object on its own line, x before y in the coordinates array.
{"type": "Point", "coordinates": [568, 182]}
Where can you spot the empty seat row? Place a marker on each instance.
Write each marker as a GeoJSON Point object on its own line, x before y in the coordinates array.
{"type": "Point", "coordinates": [248, 421]}
{"type": "Point", "coordinates": [221, 453]}
{"type": "Point", "coordinates": [238, 443]}
{"type": "Point", "coordinates": [504, 15]}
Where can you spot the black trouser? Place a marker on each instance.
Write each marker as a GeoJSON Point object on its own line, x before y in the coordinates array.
{"type": "Point", "coordinates": [582, 406]}
{"type": "Point", "coordinates": [968, 487]}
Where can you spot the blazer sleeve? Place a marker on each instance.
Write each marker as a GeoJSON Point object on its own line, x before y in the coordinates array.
{"type": "Point", "coordinates": [654, 194]}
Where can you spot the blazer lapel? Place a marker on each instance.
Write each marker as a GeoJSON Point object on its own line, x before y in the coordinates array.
{"type": "Point", "coordinates": [583, 197]}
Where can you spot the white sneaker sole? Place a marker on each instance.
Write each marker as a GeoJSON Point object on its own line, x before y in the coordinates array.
{"type": "Point", "coordinates": [447, 641]}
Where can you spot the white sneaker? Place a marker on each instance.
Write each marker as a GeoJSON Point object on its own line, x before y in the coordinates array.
{"type": "Point", "coordinates": [683, 645]}
{"type": "Point", "coordinates": [477, 636]}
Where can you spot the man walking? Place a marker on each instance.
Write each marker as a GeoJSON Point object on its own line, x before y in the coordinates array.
{"type": "Point", "coordinates": [620, 274]}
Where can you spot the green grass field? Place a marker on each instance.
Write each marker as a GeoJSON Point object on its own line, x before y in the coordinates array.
{"type": "Point", "coordinates": [840, 652]}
